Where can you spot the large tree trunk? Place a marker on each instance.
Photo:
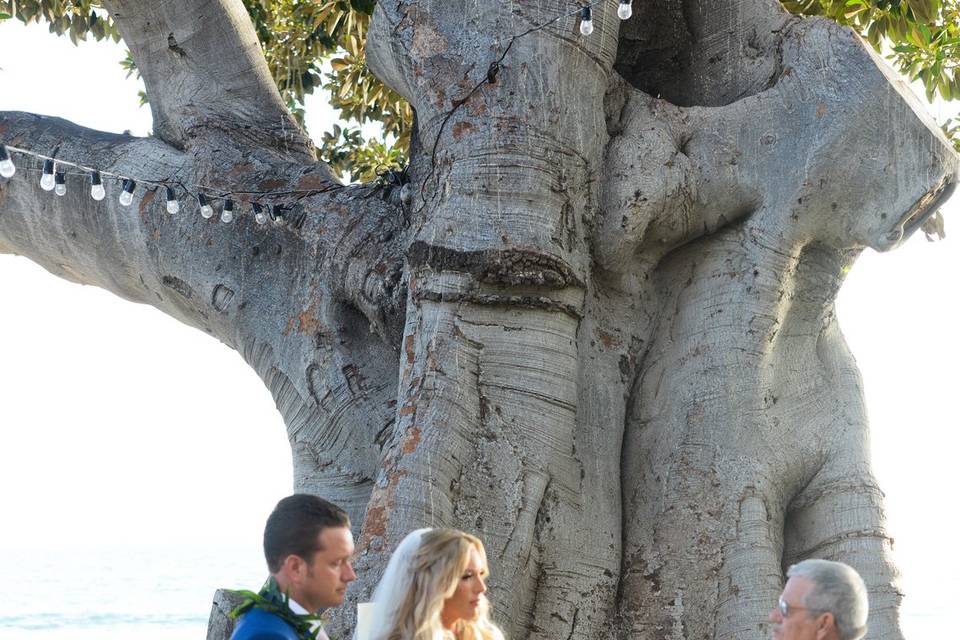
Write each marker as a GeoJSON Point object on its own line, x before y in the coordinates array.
{"type": "Point", "coordinates": [602, 335]}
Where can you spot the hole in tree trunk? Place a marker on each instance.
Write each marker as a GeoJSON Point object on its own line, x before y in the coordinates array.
{"type": "Point", "coordinates": [700, 52]}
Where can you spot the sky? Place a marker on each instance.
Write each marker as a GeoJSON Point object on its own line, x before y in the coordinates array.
{"type": "Point", "coordinates": [123, 428]}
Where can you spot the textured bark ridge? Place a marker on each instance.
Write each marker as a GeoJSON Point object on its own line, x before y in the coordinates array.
{"type": "Point", "coordinates": [601, 336]}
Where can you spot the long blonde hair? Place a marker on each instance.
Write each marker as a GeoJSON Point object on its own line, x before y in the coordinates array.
{"type": "Point", "coordinates": [436, 569]}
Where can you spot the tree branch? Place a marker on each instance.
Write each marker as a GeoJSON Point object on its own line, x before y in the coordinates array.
{"type": "Point", "coordinates": [205, 72]}
{"type": "Point", "coordinates": [76, 237]}
{"type": "Point", "coordinates": [681, 173]}
{"type": "Point", "coordinates": [191, 268]}
{"type": "Point", "coordinates": [315, 306]}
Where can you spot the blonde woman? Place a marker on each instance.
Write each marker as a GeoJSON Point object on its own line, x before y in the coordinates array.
{"type": "Point", "coordinates": [433, 589]}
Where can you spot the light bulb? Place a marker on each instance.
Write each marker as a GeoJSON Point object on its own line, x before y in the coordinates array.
{"type": "Point", "coordinates": [172, 205]}
{"type": "Point", "coordinates": [97, 192]}
{"type": "Point", "coordinates": [60, 184]}
{"type": "Point", "coordinates": [46, 180]}
{"type": "Point", "coordinates": [227, 214]}
{"type": "Point", "coordinates": [258, 214]}
{"type": "Point", "coordinates": [276, 214]}
{"type": "Point", "coordinates": [205, 209]}
{"type": "Point", "coordinates": [625, 10]}
{"type": "Point", "coordinates": [7, 168]}
{"type": "Point", "coordinates": [126, 196]}
{"type": "Point", "coordinates": [586, 21]}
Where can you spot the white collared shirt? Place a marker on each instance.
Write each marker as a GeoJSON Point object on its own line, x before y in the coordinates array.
{"type": "Point", "coordinates": [298, 609]}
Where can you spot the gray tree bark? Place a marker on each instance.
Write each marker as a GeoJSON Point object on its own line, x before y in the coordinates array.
{"type": "Point", "coordinates": [602, 335]}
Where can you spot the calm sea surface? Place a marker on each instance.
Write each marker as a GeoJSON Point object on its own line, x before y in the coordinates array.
{"type": "Point", "coordinates": [124, 593]}
{"type": "Point", "coordinates": [166, 594]}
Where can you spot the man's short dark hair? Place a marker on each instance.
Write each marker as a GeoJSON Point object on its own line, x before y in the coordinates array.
{"type": "Point", "coordinates": [295, 524]}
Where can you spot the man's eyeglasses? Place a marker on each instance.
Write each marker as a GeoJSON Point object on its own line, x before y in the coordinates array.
{"type": "Point", "coordinates": [785, 608]}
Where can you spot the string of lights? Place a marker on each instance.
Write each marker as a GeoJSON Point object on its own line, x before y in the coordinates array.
{"type": "Point", "coordinates": [53, 175]}
{"type": "Point", "coordinates": [624, 11]}
{"type": "Point", "coordinates": [585, 11]}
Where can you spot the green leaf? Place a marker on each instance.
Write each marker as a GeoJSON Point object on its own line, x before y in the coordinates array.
{"type": "Point", "coordinates": [923, 10]}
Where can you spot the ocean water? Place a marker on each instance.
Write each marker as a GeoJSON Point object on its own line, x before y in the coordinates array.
{"type": "Point", "coordinates": [154, 594]}
{"type": "Point", "coordinates": [147, 594]}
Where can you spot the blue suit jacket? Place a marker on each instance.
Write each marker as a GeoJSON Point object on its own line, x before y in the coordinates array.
{"type": "Point", "coordinates": [257, 624]}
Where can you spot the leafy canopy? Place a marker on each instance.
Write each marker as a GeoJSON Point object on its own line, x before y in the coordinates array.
{"type": "Point", "coordinates": [319, 43]}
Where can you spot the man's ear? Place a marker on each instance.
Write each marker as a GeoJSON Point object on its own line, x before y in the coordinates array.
{"type": "Point", "coordinates": [293, 567]}
{"type": "Point", "coordinates": [826, 626]}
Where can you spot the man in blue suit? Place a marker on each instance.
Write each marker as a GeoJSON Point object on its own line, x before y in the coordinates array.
{"type": "Point", "coordinates": [309, 551]}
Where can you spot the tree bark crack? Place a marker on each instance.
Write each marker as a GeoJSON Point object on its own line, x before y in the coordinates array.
{"type": "Point", "coordinates": [820, 549]}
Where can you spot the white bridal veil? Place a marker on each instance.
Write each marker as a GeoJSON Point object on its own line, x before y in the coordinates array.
{"type": "Point", "coordinates": [394, 585]}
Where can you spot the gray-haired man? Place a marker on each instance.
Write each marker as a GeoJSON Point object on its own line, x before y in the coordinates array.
{"type": "Point", "coordinates": [822, 600]}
